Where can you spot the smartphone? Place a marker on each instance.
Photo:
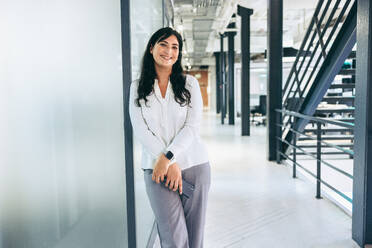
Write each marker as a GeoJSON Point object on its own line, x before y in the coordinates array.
{"type": "Point", "coordinates": [187, 187]}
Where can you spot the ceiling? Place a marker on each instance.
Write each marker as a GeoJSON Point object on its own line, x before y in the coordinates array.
{"type": "Point", "coordinates": [201, 21]}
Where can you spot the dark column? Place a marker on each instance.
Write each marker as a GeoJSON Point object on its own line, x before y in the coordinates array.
{"type": "Point", "coordinates": [222, 84]}
{"type": "Point", "coordinates": [274, 72]}
{"type": "Point", "coordinates": [362, 183]}
{"type": "Point", "coordinates": [231, 59]}
{"type": "Point", "coordinates": [128, 135]}
{"type": "Point", "coordinates": [225, 87]}
{"type": "Point", "coordinates": [245, 14]}
{"type": "Point", "coordinates": [218, 82]}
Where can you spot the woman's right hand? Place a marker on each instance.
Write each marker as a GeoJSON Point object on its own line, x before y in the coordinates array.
{"type": "Point", "coordinates": [174, 178]}
{"type": "Point", "coordinates": [160, 169]}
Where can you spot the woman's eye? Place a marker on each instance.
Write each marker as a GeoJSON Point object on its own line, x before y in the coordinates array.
{"type": "Point", "coordinates": [175, 48]}
{"type": "Point", "coordinates": [162, 44]}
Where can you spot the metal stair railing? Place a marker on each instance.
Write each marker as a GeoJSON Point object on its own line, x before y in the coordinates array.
{"type": "Point", "coordinates": [327, 14]}
{"type": "Point", "coordinates": [320, 144]}
{"type": "Point", "coordinates": [302, 90]}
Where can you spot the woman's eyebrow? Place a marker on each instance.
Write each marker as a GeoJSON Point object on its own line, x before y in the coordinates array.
{"type": "Point", "coordinates": [176, 44]}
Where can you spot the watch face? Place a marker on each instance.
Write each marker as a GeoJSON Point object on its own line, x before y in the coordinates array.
{"type": "Point", "coordinates": [169, 155]}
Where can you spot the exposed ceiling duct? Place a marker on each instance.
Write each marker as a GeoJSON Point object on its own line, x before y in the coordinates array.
{"type": "Point", "coordinates": [198, 3]}
{"type": "Point", "coordinates": [201, 21]}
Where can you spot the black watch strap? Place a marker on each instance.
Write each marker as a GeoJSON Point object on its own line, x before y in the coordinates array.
{"type": "Point", "coordinates": [169, 155]}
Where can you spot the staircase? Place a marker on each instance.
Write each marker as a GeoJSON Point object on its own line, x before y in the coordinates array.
{"type": "Point", "coordinates": [337, 104]}
{"type": "Point", "coordinates": [322, 79]}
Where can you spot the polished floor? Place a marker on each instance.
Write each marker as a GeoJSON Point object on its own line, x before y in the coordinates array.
{"type": "Point", "coordinates": [255, 203]}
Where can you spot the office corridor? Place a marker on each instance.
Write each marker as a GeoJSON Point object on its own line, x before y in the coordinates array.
{"type": "Point", "coordinates": [70, 153]}
{"type": "Point", "coordinates": [256, 203]}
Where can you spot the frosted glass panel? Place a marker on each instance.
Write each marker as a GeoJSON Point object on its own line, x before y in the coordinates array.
{"type": "Point", "coordinates": [146, 18]}
{"type": "Point", "coordinates": [62, 181]}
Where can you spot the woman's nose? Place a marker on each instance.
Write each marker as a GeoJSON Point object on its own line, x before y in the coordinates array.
{"type": "Point", "coordinates": [168, 50]}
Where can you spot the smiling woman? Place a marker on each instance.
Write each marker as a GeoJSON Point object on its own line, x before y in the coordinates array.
{"type": "Point", "coordinates": [162, 61]}
{"type": "Point", "coordinates": [166, 109]}
{"type": "Point", "coordinates": [165, 52]}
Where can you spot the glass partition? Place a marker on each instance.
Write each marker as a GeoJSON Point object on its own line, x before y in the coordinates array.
{"type": "Point", "coordinates": [146, 18]}
{"type": "Point", "coordinates": [62, 168]}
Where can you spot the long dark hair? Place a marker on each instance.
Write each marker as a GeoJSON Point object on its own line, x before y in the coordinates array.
{"type": "Point", "coordinates": [148, 73]}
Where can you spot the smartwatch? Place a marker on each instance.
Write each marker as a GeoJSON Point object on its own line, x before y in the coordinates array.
{"type": "Point", "coordinates": [169, 155]}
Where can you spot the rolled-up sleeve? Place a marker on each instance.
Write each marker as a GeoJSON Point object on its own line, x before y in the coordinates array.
{"type": "Point", "coordinates": [190, 130]}
{"type": "Point", "coordinates": [153, 144]}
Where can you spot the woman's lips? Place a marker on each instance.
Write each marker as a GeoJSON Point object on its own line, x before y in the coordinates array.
{"type": "Point", "coordinates": [166, 57]}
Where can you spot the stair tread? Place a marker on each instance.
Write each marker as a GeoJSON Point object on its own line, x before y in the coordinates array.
{"type": "Point", "coordinates": [314, 145]}
{"type": "Point", "coordinates": [331, 136]}
{"type": "Point", "coordinates": [333, 119]}
{"type": "Point", "coordinates": [328, 129]}
{"type": "Point", "coordinates": [347, 71]}
{"type": "Point", "coordinates": [336, 109]}
{"type": "Point", "coordinates": [339, 97]}
{"type": "Point", "coordinates": [323, 152]}
{"type": "Point", "coordinates": [325, 137]}
{"type": "Point", "coordinates": [344, 85]}
{"type": "Point", "coordinates": [352, 55]}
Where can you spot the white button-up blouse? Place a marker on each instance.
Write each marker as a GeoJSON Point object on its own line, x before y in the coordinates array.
{"type": "Point", "coordinates": [163, 125]}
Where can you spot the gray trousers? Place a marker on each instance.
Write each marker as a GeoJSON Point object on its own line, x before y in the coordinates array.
{"type": "Point", "coordinates": [180, 220]}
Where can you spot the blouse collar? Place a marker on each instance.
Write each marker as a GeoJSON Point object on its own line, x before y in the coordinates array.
{"type": "Point", "coordinates": [158, 92]}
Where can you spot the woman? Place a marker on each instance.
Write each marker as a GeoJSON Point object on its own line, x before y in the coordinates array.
{"type": "Point", "coordinates": [166, 110]}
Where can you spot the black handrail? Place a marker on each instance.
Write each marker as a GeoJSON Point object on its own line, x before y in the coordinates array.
{"type": "Point", "coordinates": [296, 84]}
{"type": "Point", "coordinates": [308, 50]}
{"type": "Point", "coordinates": [319, 5]}
{"type": "Point", "coordinates": [300, 80]}
{"type": "Point", "coordinates": [323, 142]}
{"type": "Point", "coordinates": [321, 181]}
{"type": "Point", "coordinates": [317, 155]}
{"type": "Point", "coordinates": [317, 119]}
{"type": "Point", "coordinates": [307, 84]}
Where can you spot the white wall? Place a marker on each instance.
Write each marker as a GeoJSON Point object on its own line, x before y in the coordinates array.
{"type": "Point", "coordinates": [212, 88]}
